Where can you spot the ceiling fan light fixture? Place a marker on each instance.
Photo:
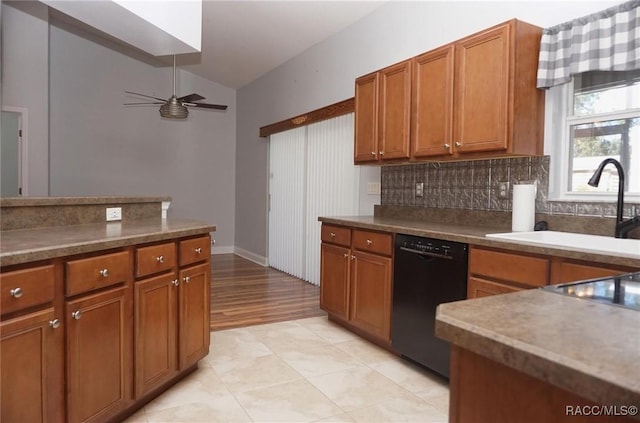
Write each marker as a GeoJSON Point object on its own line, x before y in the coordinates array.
{"type": "Point", "coordinates": [172, 109]}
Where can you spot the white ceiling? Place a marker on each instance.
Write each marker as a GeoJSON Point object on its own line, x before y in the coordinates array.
{"type": "Point", "coordinates": [243, 40]}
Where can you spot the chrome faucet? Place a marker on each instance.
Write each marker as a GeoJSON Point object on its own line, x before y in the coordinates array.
{"type": "Point", "coordinates": [623, 227]}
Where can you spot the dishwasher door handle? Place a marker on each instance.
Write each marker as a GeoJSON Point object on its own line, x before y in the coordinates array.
{"type": "Point", "coordinates": [425, 253]}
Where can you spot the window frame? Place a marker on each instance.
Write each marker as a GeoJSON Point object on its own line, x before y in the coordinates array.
{"type": "Point", "coordinates": [557, 144]}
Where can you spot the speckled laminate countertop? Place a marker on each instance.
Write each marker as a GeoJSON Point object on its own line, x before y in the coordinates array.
{"type": "Point", "coordinates": [584, 347]}
{"type": "Point", "coordinates": [27, 245]}
{"type": "Point", "coordinates": [474, 235]}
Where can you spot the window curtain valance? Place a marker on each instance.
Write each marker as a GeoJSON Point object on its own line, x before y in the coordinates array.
{"type": "Point", "coordinates": [604, 41]}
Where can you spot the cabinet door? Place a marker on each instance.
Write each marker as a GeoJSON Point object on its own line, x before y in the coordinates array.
{"type": "Point", "coordinates": [432, 103]}
{"type": "Point", "coordinates": [366, 119]}
{"type": "Point", "coordinates": [194, 316]}
{"type": "Point", "coordinates": [32, 369]}
{"type": "Point", "coordinates": [394, 106]}
{"type": "Point", "coordinates": [477, 288]}
{"type": "Point", "coordinates": [156, 331]}
{"type": "Point", "coordinates": [482, 91]}
{"type": "Point", "coordinates": [334, 280]}
{"type": "Point", "coordinates": [99, 363]}
{"type": "Point", "coordinates": [371, 294]}
{"type": "Point", "coordinates": [567, 271]}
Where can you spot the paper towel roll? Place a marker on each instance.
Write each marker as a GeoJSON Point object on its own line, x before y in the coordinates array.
{"type": "Point", "coordinates": [523, 215]}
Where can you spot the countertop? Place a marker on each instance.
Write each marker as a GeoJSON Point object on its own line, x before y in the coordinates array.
{"type": "Point", "coordinates": [585, 347]}
{"type": "Point", "coordinates": [27, 245]}
{"type": "Point", "coordinates": [474, 235]}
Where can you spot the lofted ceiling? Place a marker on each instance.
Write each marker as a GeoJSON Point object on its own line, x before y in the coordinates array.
{"type": "Point", "coordinates": [243, 40]}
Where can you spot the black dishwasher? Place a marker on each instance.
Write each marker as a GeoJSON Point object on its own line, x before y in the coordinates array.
{"type": "Point", "coordinates": [427, 272]}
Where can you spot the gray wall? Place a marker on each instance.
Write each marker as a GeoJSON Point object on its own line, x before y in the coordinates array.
{"type": "Point", "coordinates": [25, 81]}
{"type": "Point", "coordinates": [325, 74]}
{"type": "Point", "coordinates": [100, 147]}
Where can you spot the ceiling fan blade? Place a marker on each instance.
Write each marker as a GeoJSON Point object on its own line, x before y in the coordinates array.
{"type": "Point", "coordinates": [191, 97]}
{"type": "Point", "coordinates": [133, 104]}
{"type": "Point", "coordinates": [149, 96]}
{"type": "Point", "coordinates": [207, 106]}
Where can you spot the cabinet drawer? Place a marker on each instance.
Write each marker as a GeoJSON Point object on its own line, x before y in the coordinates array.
{"type": "Point", "coordinates": [477, 288]}
{"type": "Point", "coordinates": [155, 258]}
{"type": "Point", "coordinates": [97, 272]}
{"type": "Point", "coordinates": [522, 269]}
{"type": "Point", "coordinates": [21, 289]}
{"type": "Point", "coordinates": [374, 242]}
{"type": "Point", "coordinates": [336, 235]}
{"type": "Point", "coordinates": [567, 271]}
{"type": "Point", "coordinates": [194, 250]}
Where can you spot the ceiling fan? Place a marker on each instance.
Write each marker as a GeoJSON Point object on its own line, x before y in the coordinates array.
{"type": "Point", "coordinates": [176, 107]}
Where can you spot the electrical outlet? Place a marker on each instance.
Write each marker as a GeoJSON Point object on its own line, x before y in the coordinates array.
{"type": "Point", "coordinates": [114, 213]}
{"type": "Point", "coordinates": [503, 190]}
{"type": "Point", "coordinates": [419, 189]}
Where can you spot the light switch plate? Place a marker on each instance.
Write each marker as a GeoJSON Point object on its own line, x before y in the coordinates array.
{"type": "Point", "coordinates": [114, 213]}
{"type": "Point", "coordinates": [373, 188]}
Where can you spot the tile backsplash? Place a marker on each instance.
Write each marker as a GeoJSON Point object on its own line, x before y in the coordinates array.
{"type": "Point", "coordinates": [474, 184]}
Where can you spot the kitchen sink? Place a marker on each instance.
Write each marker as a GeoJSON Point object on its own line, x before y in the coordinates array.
{"type": "Point", "coordinates": [583, 242]}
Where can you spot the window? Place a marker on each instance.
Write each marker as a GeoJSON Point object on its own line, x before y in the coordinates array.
{"type": "Point", "coordinates": [595, 116]}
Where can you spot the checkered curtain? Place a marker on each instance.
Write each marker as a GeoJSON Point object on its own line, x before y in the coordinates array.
{"type": "Point", "coordinates": [604, 41]}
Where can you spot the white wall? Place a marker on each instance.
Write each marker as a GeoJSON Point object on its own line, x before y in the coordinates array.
{"type": "Point", "coordinates": [25, 82]}
{"type": "Point", "coordinates": [325, 74]}
{"type": "Point", "coordinates": [100, 147]}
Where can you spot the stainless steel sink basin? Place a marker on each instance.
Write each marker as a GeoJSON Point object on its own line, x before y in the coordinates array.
{"type": "Point", "coordinates": [581, 242]}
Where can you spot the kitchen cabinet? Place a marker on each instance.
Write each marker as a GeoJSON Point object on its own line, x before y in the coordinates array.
{"type": "Point", "coordinates": [172, 310]}
{"type": "Point", "coordinates": [355, 279]}
{"type": "Point", "coordinates": [32, 346]}
{"type": "Point", "coordinates": [382, 117]}
{"type": "Point", "coordinates": [478, 96]}
{"type": "Point", "coordinates": [494, 271]}
{"type": "Point", "coordinates": [564, 270]}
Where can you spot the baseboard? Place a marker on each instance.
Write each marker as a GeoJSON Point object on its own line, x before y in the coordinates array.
{"type": "Point", "coordinates": [261, 260]}
{"type": "Point", "coordinates": [222, 250]}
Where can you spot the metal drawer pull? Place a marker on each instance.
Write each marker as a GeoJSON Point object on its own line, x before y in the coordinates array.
{"type": "Point", "coordinates": [160, 259]}
{"type": "Point", "coordinates": [447, 146]}
{"type": "Point", "coordinates": [346, 255]}
{"type": "Point", "coordinates": [332, 235]}
{"type": "Point", "coordinates": [187, 279]}
{"type": "Point", "coordinates": [55, 323]}
{"type": "Point", "coordinates": [198, 250]}
{"type": "Point", "coordinates": [176, 282]}
{"type": "Point", "coordinates": [76, 315]}
{"type": "Point", "coordinates": [16, 292]}
{"type": "Point", "coordinates": [104, 272]}
{"type": "Point", "coordinates": [369, 242]}
{"type": "Point", "coordinates": [382, 153]}
{"type": "Point", "coordinates": [458, 144]}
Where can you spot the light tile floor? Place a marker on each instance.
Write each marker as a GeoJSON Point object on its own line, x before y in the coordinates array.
{"type": "Point", "coordinates": [308, 370]}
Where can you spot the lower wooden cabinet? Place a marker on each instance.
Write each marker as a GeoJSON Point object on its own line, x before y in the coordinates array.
{"type": "Point", "coordinates": [563, 270]}
{"type": "Point", "coordinates": [31, 368]}
{"type": "Point", "coordinates": [99, 359]}
{"type": "Point", "coordinates": [194, 314]}
{"type": "Point", "coordinates": [355, 285]}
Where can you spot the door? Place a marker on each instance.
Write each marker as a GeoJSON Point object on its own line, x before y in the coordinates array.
{"type": "Point", "coordinates": [11, 154]}
{"type": "Point", "coordinates": [366, 120]}
{"type": "Point", "coordinates": [32, 366]}
{"type": "Point", "coordinates": [194, 326]}
{"type": "Point", "coordinates": [334, 286]}
{"type": "Point", "coordinates": [394, 105]}
{"type": "Point", "coordinates": [99, 364]}
{"type": "Point", "coordinates": [432, 97]}
{"type": "Point", "coordinates": [482, 91]}
{"type": "Point", "coordinates": [156, 329]}
{"type": "Point", "coordinates": [371, 293]}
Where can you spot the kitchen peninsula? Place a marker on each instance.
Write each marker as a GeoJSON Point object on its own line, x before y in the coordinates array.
{"type": "Point", "coordinates": [98, 317]}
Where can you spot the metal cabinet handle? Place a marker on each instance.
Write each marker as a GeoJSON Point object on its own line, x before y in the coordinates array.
{"type": "Point", "coordinates": [381, 153]}
{"type": "Point", "coordinates": [346, 255]}
{"type": "Point", "coordinates": [447, 146]}
{"type": "Point", "coordinates": [55, 323]}
{"type": "Point", "coordinates": [198, 250]}
{"type": "Point", "coordinates": [104, 273]}
{"type": "Point", "coordinates": [16, 292]}
{"type": "Point", "coordinates": [353, 257]}
{"type": "Point", "coordinates": [160, 259]}
{"type": "Point", "coordinates": [369, 242]}
{"type": "Point", "coordinates": [458, 144]}
{"type": "Point", "coordinates": [332, 235]}
{"type": "Point", "coordinates": [176, 282]}
{"type": "Point", "coordinates": [76, 314]}
{"type": "Point", "coordinates": [187, 279]}
{"type": "Point", "coordinates": [373, 153]}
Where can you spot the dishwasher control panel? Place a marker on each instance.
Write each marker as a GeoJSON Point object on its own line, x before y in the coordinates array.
{"type": "Point", "coordinates": [431, 246]}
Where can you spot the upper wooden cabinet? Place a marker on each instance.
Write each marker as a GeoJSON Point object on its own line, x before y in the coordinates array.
{"type": "Point", "coordinates": [383, 106]}
{"type": "Point", "coordinates": [476, 97]}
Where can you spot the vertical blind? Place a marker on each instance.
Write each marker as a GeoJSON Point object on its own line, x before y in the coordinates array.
{"type": "Point", "coordinates": [320, 158]}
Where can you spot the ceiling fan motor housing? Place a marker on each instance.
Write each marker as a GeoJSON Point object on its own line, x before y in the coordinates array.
{"type": "Point", "coordinates": [172, 109]}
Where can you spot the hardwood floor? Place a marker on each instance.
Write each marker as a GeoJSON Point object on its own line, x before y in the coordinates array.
{"type": "Point", "coordinates": [244, 293]}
